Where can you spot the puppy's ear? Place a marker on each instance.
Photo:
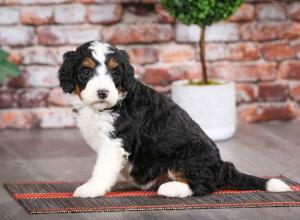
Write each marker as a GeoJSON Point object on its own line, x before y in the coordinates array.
{"type": "Point", "coordinates": [66, 72]}
{"type": "Point", "coordinates": [128, 80]}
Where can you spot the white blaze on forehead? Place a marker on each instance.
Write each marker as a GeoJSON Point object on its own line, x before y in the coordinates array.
{"type": "Point", "coordinates": [99, 50]}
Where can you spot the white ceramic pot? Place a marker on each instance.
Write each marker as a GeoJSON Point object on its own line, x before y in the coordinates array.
{"type": "Point", "coordinates": [211, 106]}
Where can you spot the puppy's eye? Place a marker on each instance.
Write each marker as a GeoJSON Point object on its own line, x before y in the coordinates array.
{"type": "Point", "coordinates": [85, 73]}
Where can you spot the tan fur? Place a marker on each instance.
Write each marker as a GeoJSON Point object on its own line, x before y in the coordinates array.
{"type": "Point", "coordinates": [78, 91]}
{"type": "Point", "coordinates": [112, 63]}
{"type": "Point", "coordinates": [177, 176]}
{"type": "Point", "coordinates": [89, 63]}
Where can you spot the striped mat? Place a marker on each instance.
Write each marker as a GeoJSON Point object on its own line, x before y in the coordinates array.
{"type": "Point", "coordinates": [56, 197]}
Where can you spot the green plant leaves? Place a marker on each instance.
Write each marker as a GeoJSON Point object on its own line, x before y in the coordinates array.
{"type": "Point", "coordinates": [3, 55]}
{"type": "Point", "coordinates": [201, 12]}
{"type": "Point", "coordinates": [7, 68]}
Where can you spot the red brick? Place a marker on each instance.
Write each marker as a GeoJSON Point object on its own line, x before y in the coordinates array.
{"type": "Point", "coordinates": [294, 11]}
{"type": "Point", "coordinates": [16, 82]}
{"type": "Point", "coordinates": [244, 13]}
{"type": "Point", "coordinates": [290, 31]}
{"type": "Point", "coordinates": [142, 54]}
{"type": "Point", "coordinates": [69, 14]}
{"type": "Point", "coordinates": [37, 15]}
{"type": "Point", "coordinates": [17, 118]}
{"type": "Point", "coordinates": [39, 55]}
{"type": "Point", "coordinates": [242, 51]}
{"type": "Point", "coordinates": [130, 17]}
{"type": "Point", "coordinates": [246, 92]}
{"type": "Point", "coordinates": [61, 50]}
{"type": "Point", "coordinates": [15, 57]}
{"type": "Point", "coordinates": [250, 72]}
{"type": "Point", "coordinates": [266, 112]}
{"type": "Point", "coordinates": [163, 75]}
{"type": "Point", "coordinates": [104, 14]}
{"type": "Point", "coordinates": [34, 2]}
{"type": "Point", "coordinates": [40, 76]}
{"type": "Point", "coordinates": [139, 9]}
{"type": "Point", "coordinates": [296, 109]}
{"type": "Point", "coordinates": [269, 31]}
{"type": "Point", "coordinates": [61, 35]}
{"type": "Point", "coordinates": [146, 33]}
{"type": "Point", "coordinates": [9, 16]}
{"type": "Point", "coordinates": [6, 98]}
{"type": "Point", "coordinates": [289, 69]}
{"type": "Point", "coordinates": [176, 53]}
{"type": "Point", "coordinates": [58, 98]}
{"type": "Point", "coordinates": [162, 89]}
{"type": "Point", "coordinates": [274, 92]}
{"type": "Point", "coordinates": [219, 32]}
{"type": "Point", "coordinates": [163, 15]}
{"type": "Point", "coordinates": [16, 36]}
{"type": "Point", "coordinates": [118, 1]}
{"type": "Point", "coordinates": [277, 51]}
{"type": "Point", "coordinates": [295, 90]}
{"type": "Point", "coordinates": [54, 117]}
{"type": "Point", "coordinates": [296, 47]}
{"type": "Point", "coordinates": [31, 98]}
{"type": "Point", "coordinates": [138, 70]}
{"type": "Point", "coordinates": [270, 11]}
{"type": "Point", "coordinates": [213, 51]}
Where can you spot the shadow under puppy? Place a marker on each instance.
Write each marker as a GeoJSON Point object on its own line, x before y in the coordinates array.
{"type": "Point", "coordinates": [132, 127]}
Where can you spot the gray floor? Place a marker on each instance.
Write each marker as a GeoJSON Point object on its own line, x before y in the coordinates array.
{"type": "Point", "coordinates": [264, 149]}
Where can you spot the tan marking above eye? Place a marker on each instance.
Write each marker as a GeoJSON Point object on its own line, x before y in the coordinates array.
{"type": "Point", "coordinates": [112, 63]}
{"type": "Point", "coordinates": [89, 63]}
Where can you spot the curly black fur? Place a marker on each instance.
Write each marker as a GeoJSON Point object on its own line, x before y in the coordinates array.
{"type": "Point", "coordinates": [161, 136]}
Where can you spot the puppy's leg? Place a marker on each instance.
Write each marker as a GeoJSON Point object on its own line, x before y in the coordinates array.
{"type": "Point", "coordinates": [109, 163]}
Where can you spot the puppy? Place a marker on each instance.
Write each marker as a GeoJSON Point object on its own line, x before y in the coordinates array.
{"type": "Point", "coordinates": [130, 125]}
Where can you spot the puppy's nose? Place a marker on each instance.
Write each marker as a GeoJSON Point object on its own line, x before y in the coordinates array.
{"type": "Point", "coordinates": [102, 93]}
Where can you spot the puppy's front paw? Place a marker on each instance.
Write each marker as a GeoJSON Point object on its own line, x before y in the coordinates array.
{"type": "Point", "coordinates": [89, 190]}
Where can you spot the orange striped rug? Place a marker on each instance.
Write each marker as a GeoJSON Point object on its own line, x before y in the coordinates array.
{"type": "Point", "coordinates": [56, 197]}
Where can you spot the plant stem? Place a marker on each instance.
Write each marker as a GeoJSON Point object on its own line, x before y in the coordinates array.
{"type": "Point", "coordinates": [202, 54]}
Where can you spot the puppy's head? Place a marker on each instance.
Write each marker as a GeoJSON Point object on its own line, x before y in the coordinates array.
{"type": "Point", "coordinates": [98, 73]}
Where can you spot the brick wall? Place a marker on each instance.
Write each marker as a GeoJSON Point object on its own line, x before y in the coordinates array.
{"type": "Point", "coordinates": [258, 47]}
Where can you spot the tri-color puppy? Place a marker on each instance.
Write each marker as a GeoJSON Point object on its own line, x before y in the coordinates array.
{"type": "Point", "coordinates": [131, 126]}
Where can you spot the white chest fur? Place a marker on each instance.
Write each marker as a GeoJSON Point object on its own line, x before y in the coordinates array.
{"type": "Point", "coordinates": [96, 128]}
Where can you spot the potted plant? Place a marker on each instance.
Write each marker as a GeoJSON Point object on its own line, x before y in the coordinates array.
{"type": "Point", "coordinates": [6, 67]}
{"type": "Point", "coordinates": [211, 103]}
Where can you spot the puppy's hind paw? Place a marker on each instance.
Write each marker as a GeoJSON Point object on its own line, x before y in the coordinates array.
{"type": "Point", "coordinates": [89, 190]}
{"type": "Point", "coordinates": [174, 189]}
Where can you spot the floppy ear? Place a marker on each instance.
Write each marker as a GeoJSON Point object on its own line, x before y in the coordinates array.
{"type": "Point", "coordinates": [128, 80]}
{"type": "Point", "coordinates": [66, 72]}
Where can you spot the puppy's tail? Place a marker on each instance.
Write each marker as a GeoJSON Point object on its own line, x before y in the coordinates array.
{"type": "Point", "coordinates": [234, 179]}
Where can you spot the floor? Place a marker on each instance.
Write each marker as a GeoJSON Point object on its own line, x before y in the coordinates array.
{"type": "Point", "coordinates": [263, 149]}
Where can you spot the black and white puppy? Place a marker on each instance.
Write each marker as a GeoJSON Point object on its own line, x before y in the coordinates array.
{"type": "Point", "coordinates": [130, 125]}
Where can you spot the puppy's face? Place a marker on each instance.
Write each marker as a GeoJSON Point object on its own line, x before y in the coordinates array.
{"type": "Point", "coordinates": [99, 74]}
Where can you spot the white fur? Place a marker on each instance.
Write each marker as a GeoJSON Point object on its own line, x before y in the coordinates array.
{"type": "Point", "coordinates": [175, 189]}
{"type": "Point", "coordinates": [100, 81]}
{"type": "Point", "coordinates": [111, 157]}
{"type": "Point", "coordinates": [148, 185]}
{"type": "Point", "coordinates": [276, 185]}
